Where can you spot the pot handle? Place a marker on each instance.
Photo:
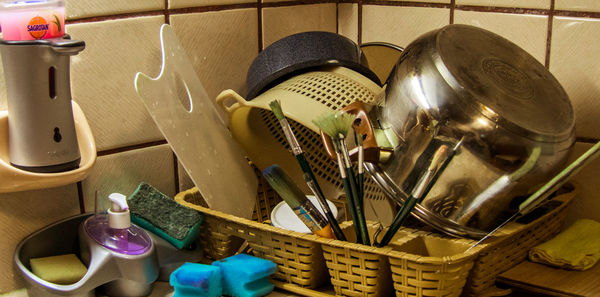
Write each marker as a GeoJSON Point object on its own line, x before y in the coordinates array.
{"type": "Point", "coordinates": [228, 105]}
{"type": "Point", "coordinates": [363, 128]}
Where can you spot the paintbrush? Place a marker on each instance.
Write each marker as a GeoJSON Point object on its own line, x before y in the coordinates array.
{"type": "Point", "coordinates": [440, 160]}
{"type": "Point", "coordinates": [308, 174]}
{"type": "Point", "coordinates": [336, 126]}
{"type": "Point", "coordinates": [293, 196]}
{"type": "Point", "coordinates": [360, 178]}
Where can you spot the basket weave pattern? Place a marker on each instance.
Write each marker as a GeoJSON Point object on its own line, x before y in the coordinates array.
{"type": "Point", "coordinates": [357, 273]}
{"type": "Point", "coordinates": [512, 250]}
{"type": "Point", "coordinates": [404, 267]}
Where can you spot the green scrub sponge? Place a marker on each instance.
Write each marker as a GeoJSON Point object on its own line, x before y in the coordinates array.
{"type": "Point", "coordinates": [163, 216]}
{"type": "Point", "coordinates": [64, 269]}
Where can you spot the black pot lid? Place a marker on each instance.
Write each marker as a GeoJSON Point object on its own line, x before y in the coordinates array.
{"type": "Point", "coordinates": [510, 86]}
{"type": "Point", "coordinates": [303, 52]}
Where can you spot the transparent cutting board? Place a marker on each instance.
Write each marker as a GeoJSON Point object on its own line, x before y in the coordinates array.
{"type": "Point", "coordinates": [193, 128]}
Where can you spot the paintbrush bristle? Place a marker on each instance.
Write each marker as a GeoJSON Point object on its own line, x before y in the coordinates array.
{"type": "Point", "coordinates": [334, 124]}
{"type": "Point", "coordinates": [276, 109]}
{"type": "Point", "coordinates": [284, 186]}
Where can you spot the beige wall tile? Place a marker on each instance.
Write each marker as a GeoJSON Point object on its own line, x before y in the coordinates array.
{"type": "Point", "coordinates": [577, 5]}
{"type": "Point", "coordinates": [102, 78]}
{"type": "Point", "coordinates": [279, 22]}
{"type": "Point", "coordinates": [21, 214]}
{"type": "Point", "coordinates": [123, 172]}
{"type": "Point", "coordinates": [573, 60]}
{"type": "Point", "coordinates": [527, 31]}
{"type": "Point", "coordinates": [348, 20]}
{"type": "Point", "coordinates": [77, 9]}
{"type": "Point", "coordinates": [543, 4]}
{"type": "Point", "coordinates": [586, 204]}
{"type": "Point", "coordinates": [223, 49]}
{"type": "Point", "coordinates": [195, 3]}
{"type": "Point", "coordinates": [400, 25]}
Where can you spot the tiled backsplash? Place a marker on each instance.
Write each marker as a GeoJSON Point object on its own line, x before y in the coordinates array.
{"type": "Point", "coordinates": [223, 36]}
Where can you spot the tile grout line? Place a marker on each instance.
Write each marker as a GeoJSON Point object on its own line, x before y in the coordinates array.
{"type": "Point", "coordinates": [360, 22]}
{"type": "Point", "coordinates": [452, 9]}
{"type": "Point", "coordinates": [406, 3]}
{"type": "Point", "coordinates": [81, 197]}
{"type": "Point", "coordinates": [167, 14]}
{"type": "Point", "coordinates": [498, 9]}
{"type": "Point", "coordinates": [130, 148]}
{"type": "Point", "coordinates": [337, 17]}
{"type": "Point", "coordinates": [176, 173]}
{"type": "Point", "coordinates": [115, 17]}
{"type": "Point", "coordinates": [260, 26]}
{"type": "Point", "coordinates": [211, 8]}
{"type": "Point", "coordinates": [549, 34]}
{"type": "Point", "coordinates": [296, 3]}
{"type": "Point", "coordinates": [577, 14]}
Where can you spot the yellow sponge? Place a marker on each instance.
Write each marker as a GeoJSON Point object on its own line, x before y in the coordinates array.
{"type": "Point", "coordinates": [64, 269]}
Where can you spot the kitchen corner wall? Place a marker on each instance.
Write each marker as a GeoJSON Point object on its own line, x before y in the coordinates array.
{"type": "Point", "coordinates": [222, 37]}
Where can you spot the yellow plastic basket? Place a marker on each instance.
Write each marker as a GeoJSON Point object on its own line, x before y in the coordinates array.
{"type": "Point", "coordinates": [415, 263]}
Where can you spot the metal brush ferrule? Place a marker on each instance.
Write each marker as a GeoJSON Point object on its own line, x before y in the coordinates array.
{"type": "Point", "coordinates": [340, 163]}
{"type": "Point", "coordinates": [289, 135]}
{"type": "Point", "coordinates": [344, 151]}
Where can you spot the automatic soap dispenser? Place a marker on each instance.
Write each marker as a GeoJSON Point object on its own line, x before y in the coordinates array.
{"type": "Point", "coordinates": [36, 59]}
{"type": "Point", "coordinates": [125, 250]}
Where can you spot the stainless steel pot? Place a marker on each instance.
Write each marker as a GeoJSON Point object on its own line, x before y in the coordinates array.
{"type": "Point", "coordinates": [514, 122]}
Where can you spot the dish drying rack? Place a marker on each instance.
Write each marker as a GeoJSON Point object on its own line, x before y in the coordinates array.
{"type": "Point", "coordinates": [416, 263]}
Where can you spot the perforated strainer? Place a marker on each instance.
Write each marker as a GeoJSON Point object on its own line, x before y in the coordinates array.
{"type": "Point", "coordinates": [303, 98]}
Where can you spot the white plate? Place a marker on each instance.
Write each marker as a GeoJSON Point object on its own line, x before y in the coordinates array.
{"type": "Point", "coordinates": [283, 216]}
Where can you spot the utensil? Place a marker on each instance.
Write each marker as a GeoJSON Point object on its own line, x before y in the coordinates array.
{"type": "Point", "coordinates": [308, 174]}
{"type": "Point", "coordinates": [337, 126]}
{"type": "Point", "coordinates": [438, 164]}
{"type": "Point", "coordinates": [303, 52]}
{"type": "Point", "coordinates": [305, 97]}
{"type": "Point", "coordinates": [283, 216]}
{"type": "Point", "coordinates": [210, 156]}
{"type": "Point", "coordinates": [293, 196]}
{"type": "Point", "coordinates": [550, 187]}
{"type": "Point", "coordinates": [464, 82]}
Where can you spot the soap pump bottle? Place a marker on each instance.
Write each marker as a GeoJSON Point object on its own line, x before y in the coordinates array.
{"type": "Point", "coordinates": [110, 239]}
{"type": "Point", "coordinates": [114, 230]}
{"type": "Point", "coordinates": [119, 220]}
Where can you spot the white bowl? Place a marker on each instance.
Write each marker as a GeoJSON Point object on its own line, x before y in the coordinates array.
{"type": "Point", "coordinates": [283, 216]}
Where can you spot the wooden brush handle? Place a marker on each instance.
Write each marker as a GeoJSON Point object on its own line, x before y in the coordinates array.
{"type": "Point", "coordinates": [362, 126]}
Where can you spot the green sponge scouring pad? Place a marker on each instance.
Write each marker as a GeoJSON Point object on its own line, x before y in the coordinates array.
{"type": "Point", "coordinates": [163, 216]}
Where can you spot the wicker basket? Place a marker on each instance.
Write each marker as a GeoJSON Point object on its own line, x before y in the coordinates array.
{"type": "Point", "coordinates": [508, 251]}
{"type": "Point", "coordinates": [415, 263]}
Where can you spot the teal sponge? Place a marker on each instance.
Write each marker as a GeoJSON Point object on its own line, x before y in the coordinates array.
{"type": "Point", "coordinates": [196, 280]}
{"type": "Point", "coordinates": [163, 216]}
{"type": "Point", "coordinates": [246, 276]}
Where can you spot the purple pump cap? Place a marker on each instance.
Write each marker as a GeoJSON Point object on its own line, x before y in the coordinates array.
{"type": "Point", "coordinates": [131, 241]}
